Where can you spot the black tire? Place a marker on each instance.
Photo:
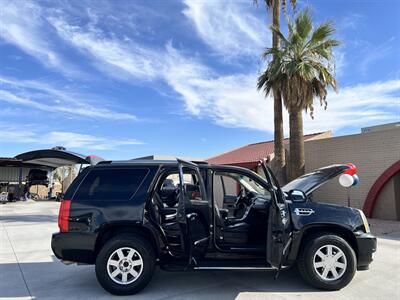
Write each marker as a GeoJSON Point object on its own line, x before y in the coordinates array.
{"type": "Point", "coordinates": [136, 242]}
{"type": "Point", "coordinates": [305, 262]}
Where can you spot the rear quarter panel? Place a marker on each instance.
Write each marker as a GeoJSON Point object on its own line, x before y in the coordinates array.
{"type": "Point", "coordinates": [91, 216]}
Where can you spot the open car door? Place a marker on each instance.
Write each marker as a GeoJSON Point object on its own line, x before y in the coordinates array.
{"type": "Point", "coordinates": [279, 230]}
{"type": "Point", "coordinates": [194, 244]}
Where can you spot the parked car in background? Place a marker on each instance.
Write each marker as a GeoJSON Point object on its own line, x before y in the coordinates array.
{"type": "Point", "coordinates": [3, 197]}
{"type": "Point", "coordinates": [126, 217]}
{"type": "Point", "coordinates": [36, 177]}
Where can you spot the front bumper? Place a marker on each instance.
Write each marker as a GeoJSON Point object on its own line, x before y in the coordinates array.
{"type": "Point", "coordinates": [366, 244]}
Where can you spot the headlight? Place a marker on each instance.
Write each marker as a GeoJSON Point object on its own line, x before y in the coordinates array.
{"type": "Point", "coordinates": [365, 221]}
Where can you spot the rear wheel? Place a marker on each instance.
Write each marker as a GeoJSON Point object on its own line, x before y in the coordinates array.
{"type": "Point", "coordinates": [327, 262]}
{"type": "Point", "coordinates": [125, 264]}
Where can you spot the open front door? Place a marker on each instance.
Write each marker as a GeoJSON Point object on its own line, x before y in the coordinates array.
{"type": "Point", "coordinates": [279, 232]}
{"type": "Point", "coordinates": [192, 194]}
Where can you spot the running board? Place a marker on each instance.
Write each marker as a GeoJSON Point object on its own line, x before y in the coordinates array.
{"type": "Point", "coordinates": [238, 268]}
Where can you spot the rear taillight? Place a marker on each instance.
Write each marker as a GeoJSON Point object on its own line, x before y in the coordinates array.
{"type": "Point", "coordinates": [63, 215]}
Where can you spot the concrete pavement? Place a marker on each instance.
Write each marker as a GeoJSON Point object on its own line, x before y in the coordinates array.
{"type": "Point", "coordinates": [28, 270]}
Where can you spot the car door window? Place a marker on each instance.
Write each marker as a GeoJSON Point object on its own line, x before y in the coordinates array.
{"type": "Point", "coordinates": [192, 186]}
{"type": "Point", "coordinates": [110, 184]}
{"type": "Point", "coordinates": [227, 186]}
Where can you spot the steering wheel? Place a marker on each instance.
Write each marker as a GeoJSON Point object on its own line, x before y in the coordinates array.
{"type": "Point", "coordinates": [244, 197]}
{"type": "Point", "coordinates": [241, 203]}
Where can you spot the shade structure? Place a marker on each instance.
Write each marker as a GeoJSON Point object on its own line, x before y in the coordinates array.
{"type": "Point", "coordinates": [54, 158]}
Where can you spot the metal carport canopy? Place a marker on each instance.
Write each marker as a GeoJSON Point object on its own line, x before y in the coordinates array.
{"type": "Point", "coordinates": [54, 158]}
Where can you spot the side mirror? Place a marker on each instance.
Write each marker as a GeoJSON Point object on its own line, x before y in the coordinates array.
{"type": "Point", "coordinates": [297, 196]}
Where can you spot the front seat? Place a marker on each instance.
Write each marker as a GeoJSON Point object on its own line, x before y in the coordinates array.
{"type": "Point", "coordinates": [243, 219]}
{"type": "Point", "coordinates": [233, 224]}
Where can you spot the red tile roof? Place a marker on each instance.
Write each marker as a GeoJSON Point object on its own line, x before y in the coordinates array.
{"type": "Point", "coordinates": [8, 159]}
{"type": "Point", "coordinates": [250, 154]}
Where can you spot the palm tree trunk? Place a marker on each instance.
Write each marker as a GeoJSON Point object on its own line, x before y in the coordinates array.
{"type": "Point", "coordinates": [296, 153]}
{"type": "Point", "coordinates": [279, 160]}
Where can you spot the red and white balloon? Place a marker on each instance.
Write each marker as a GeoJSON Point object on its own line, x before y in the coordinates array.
{"type": "Point", "coordinates": [352, 171]}
{"type": "Point", "coordinates": [349, 177]}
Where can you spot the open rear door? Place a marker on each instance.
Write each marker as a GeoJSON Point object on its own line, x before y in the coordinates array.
{"type": "Point", "coordinates": [192, 246]}
{"type": "Point", "coordinates": [279, 230]}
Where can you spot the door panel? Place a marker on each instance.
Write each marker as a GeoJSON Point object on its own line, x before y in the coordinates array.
{"type": "Point", "coordinates": [181, 212]}
{"type": "Point", "coordinates": [279, 228]}
{"type": "Point", "coordinates": [279, 235]}
{"type": "Point", "coordinates": [192, 206]}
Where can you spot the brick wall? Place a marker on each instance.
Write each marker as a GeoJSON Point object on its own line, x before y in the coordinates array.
{"type": "Point", "coordinates": [372, 153]}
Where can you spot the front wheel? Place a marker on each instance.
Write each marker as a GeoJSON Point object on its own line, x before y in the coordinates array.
{"type": "Point", "coordinates": [327, 262]}
{"type": "Point", "coordinates": [125, 264]}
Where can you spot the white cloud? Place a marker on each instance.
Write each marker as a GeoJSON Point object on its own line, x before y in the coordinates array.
{"type": "Point", "coordinates": [86, 141]}
{"type": "Point", "coordinates": [350, 21]}
{"type": "Point", "coordinates": [229, 100]}
{"type": "Point", "coordinates": [357, 106]}
{"type": "Point", "coordinates": [23, 25]}
{"type": "Point", "coordinates": [203, 92]}
{"type": "Point", "coordinates": [18, 134]}
{"type": "Point", "coordinates": [110, 55]}
{"type": "Point", "coordinates": [41, 96]}
{"type": "Point", "coordinates": [70, 140]}
{"type": "Point", "coordinates": [228, 27]}
{"type": "Point", "coordinates": [233, 100]}
{"type": "Point", "coordinates": [375, 53]}
{"type": "Point", "coordinates": [340, 62]}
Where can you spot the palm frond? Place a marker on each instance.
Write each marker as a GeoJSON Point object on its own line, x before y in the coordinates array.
{"type": "Point", "coordinates": [270, 52]}
{"type": "Point", "coordinates": [322, 32]}
{"type": "Point", "coordinates": [302, 69]}
{"type": "Point", "coordinates": [304, 24]}
{"type": "Point", "coordinates": [282, 38]}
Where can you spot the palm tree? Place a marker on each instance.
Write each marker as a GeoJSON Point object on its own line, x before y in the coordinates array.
{"type": "Point", "coordinates": [279, 148]}
{"type": "Point", "coordinates": [302, 69]}
{"type": "Point", "coordinates": [62, 173]}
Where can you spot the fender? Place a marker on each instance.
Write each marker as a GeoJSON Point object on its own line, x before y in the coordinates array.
{"type": "Point", "coordinates": [300, 236]}
{"type": "Point", "coordinates": [146, 229]}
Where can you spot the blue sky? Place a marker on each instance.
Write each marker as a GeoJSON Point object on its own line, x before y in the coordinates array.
{"type": "Point", "coordinates": [123, 79]}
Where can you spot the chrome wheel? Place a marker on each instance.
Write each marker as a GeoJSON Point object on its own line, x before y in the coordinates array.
{"type": "Point", "coordinates": [125, 265]}
{"type": "Point", "coordinates": [330, 262]}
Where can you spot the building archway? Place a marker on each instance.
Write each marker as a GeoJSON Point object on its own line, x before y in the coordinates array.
{"type": "Point", "coordinates": [378, 186]}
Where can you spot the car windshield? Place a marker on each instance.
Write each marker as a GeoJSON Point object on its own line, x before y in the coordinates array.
{"type": "Point", "coordinates": [249, 184]}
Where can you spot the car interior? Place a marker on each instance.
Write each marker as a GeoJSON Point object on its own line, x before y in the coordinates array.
{"type": "Point", "coordinates": [164, 206]}
{"type": "Point", "coordinates": [240, 211]}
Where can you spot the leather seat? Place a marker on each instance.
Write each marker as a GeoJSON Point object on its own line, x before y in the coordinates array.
{"type": "Point", "coordinates": [237, 227]}
{"type": "Point", "coordinates": [234, 224]}
{"type": "Point", "coordinates": [243, 220]}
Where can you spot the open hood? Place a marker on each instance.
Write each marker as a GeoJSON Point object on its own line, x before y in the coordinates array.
{"type": "Point", "coordinates": [54, 158]}
{"type": "Point", "coordinates": [311, 181]}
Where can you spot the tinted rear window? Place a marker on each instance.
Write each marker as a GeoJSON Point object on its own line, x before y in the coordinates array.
{"type": "Point", "coordinates": [110, 184]}
{"type": "Point", "coordinates": [72, 188]}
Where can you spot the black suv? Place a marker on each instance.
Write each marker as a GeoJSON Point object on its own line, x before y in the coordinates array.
{"type": "Point", "coordinates": [128, 216]}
